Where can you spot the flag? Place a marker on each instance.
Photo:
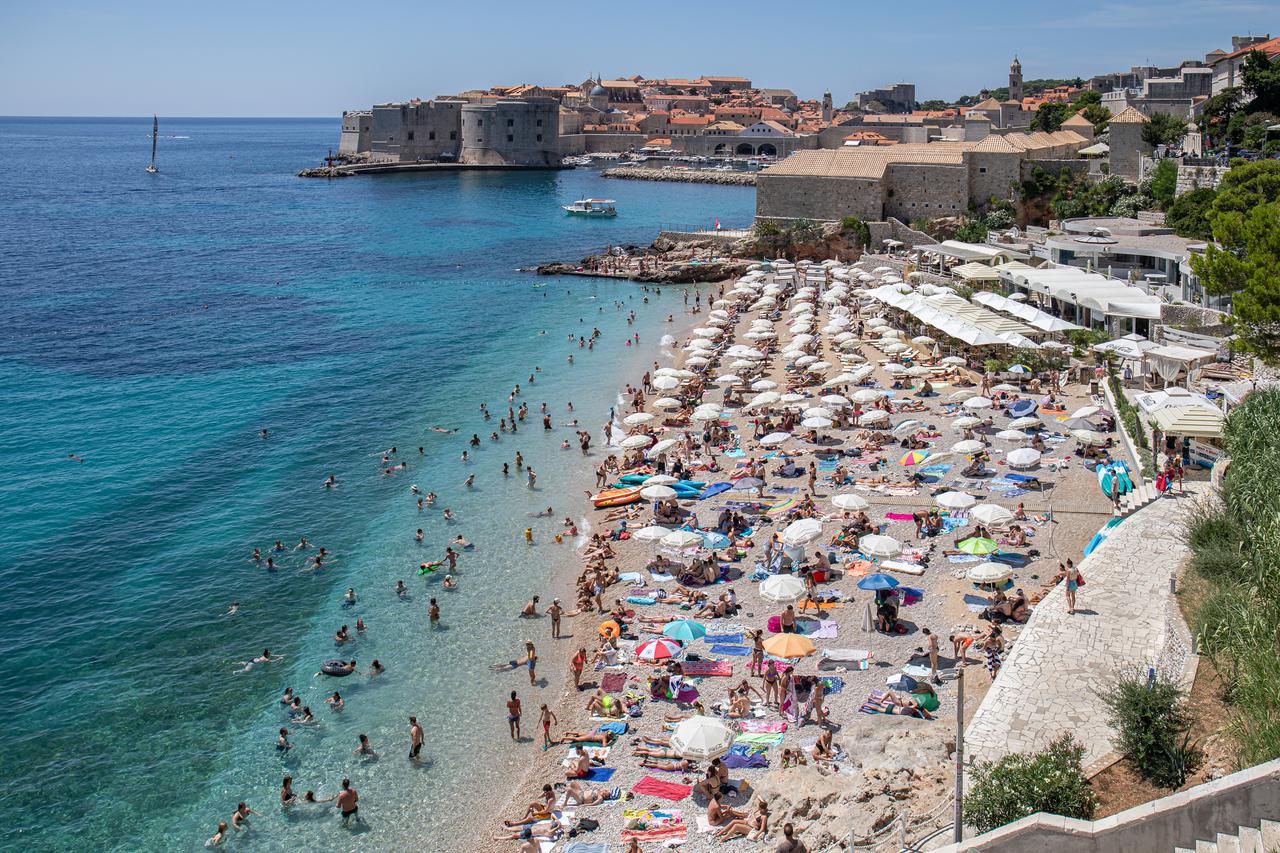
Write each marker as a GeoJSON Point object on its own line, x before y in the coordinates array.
{"type": "Point", "coordinates": [717, 224]}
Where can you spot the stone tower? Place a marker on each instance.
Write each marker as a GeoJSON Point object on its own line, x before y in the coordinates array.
{"type": "Point", "coordinates": [1127, 147]}
{"type": "Point", "coordinates": [1015, 81]}
{"type": "Point", "coordinates": [828, 110]}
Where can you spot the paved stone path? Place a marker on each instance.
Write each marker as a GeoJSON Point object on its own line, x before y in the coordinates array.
{"type": "Point", "coordinates": [1045, 687]}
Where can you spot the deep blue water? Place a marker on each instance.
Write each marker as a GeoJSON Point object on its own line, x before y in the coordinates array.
{"type": "Point", "coordinates": [152, 325]}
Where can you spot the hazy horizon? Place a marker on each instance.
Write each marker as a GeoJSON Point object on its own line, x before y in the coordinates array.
{"type": "Point", "coordinates": [289, 60]}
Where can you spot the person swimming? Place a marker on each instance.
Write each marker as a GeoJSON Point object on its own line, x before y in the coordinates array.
{"type": "Point", "coordinates": [449, 582]}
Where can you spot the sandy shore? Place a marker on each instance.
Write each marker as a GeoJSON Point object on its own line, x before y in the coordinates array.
{"type": "Point", "coordinates": [1071, 496]}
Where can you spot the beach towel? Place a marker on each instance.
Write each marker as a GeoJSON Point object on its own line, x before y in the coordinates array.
{"type": "Point", "coordinates": [824, 605]}
{"type": "Point", "coordinates": [703, 668]}
{"type": "Point", "coordinates": [659, 577]}
{"type": "Point", "coordinates": [766, 726]}
{"type": "Point", "coordinates": [652, 787]}
{"type": "Point", "coordinates": [832, 684]}
{"type": "Point", "coordinates": [618, 728]}
{"type": "Point", "coordinates": [760, 738]}
{"type": "Point", "coordinates": [613, 682]}
{"type": "Point", "coordinates": [641, 599]}
{"type": "Point", "coordinates": [876, 703]}
{"type": "Point", "coordinates": [935, 469]}
{"type": "Point", "coordinates": [584, 847]}
{"type": "Point", "coordinates": [600, 774]}
{"type": "Point", "coordinates": [735, 651]}
{"type": "Point", "coordinates": [963, 558]}
{"type": "Point", "coordinates": [729, 639]}
{"type": "Point", "coordinates": [899, 516]}
{"type": "Point", "coordinates": [829, 629]}
{"type": "Point", "coordinates": [739, 760]}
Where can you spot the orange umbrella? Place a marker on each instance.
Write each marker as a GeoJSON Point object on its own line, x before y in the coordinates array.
{"type": "Point", "coordinates": [789, 646]}
{"type": "Point", "coordinates": [610, 629]}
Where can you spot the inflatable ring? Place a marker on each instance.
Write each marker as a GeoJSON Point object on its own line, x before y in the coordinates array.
{"type": "Point", "coordinates": [336, 668]}
{"type": "Point", "coordinates": [610, 630]}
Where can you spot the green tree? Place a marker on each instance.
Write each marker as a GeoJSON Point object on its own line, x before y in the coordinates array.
{"type": "Point", "coordinates": [1245, 264]}
{"type": "Point", "coordinates": [1164, 129]}
{"type": "Point", "coordinates": [1261, 79]}
{"type": "Point", "coordinates": [1022, 784]}
{"type": "Point", "coordinates": [1188, 216]}
{"type": "Point", "coordinates": [933, 104]}
{"type": "Point", "coordinates": [1164, 183]}
{"type": "Point", "coordinates": [1217, 112]}
{"type": "Point", "coordinates": [1050, 116]}
{"type": "Point", "coordinates": [1245, 187]}
{"type": "Point", "coordinates": [1088, 97]}
{"type": "Point", "coordinates": [1098, 115]}
{"type": "Point", "coordinates": [971, 231]}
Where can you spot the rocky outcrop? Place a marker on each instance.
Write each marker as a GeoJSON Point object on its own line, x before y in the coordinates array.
{"type": "Point", "coordinates": [686, 176]}
{"type": "Point", "coordinates": [325, 172]}
{"type": "Point", "coordinates": [899, 766]}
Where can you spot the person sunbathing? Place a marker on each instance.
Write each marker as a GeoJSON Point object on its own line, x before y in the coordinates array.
{"type": "Point", "coordinates": [538, 810]}
{"type": "Point", "coordinates": [682, 765]}
{"type": "Point", "coordinates": [910, 705]}
{"type": "Point", "coordinates": [698, 711]}
{"type": "Point", "coordinates": [740, 705]}
{"type": "Point", "coordinates": [656, 752]}
{"type": "Point", "coordinates": [793, 758]}
{"type": "Point", "coordinates": [604, 738]}
{"type": "Point", "coordinates": [549, 830]}
{"type": "Point", "coordinates": [578, 794]}
{"type": "Point", "coordinates": [579, 767]}
{"type": "Point", "coordinates": [721, 815]}
{"type": "Point", "coordinates": [754, 828]}
{"type": "Point", "coordinates": [603, 704]}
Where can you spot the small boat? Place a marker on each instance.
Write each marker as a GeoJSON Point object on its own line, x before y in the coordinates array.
{"type": "Point", "coordinates": [155, 134]}
{"type": "Point", "coordinates": [617, 497]}
{"type": "Point", "coordinates": [591, 207]}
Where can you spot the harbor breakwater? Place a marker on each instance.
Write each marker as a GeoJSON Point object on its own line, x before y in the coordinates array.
{"type": "Point", "coordinates": [683, 176]}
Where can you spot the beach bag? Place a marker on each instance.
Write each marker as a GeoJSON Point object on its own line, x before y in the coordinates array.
{"type": "Point", "coordinates": [589, 824]}
{"type": "Point", "coordinates": [1079, 579]}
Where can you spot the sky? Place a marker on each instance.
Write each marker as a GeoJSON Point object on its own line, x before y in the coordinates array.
{"type": "Point", "coordinates": [285, 58]}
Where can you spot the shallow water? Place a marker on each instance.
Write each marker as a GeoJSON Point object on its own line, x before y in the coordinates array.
{"type": "Point", "coordinates": [152, 324]}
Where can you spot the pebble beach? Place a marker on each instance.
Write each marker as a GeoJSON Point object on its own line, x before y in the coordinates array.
{"type": "Point", "coordinates": [816, 334]}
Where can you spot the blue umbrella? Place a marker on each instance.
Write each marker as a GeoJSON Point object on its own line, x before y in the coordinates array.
{"type": "Point", "coordinates": [878, 581]}
{"type": "Point", "coordinates": [1022, 408]}
{"type": "Point", "coordinates": [715, 540]}
{"type": "Point", "coordinates": [685, 630]}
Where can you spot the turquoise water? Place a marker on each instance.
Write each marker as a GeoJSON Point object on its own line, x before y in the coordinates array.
{"type": "Point", "coordinates": [152, 325]}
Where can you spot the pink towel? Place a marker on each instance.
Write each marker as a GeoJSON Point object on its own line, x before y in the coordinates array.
{"type": "Point", "coordinates": [900, 516]}
{"type": "Point", "coordinates": [761, 726]}
{"type": "Point", "coordinates": [613, 682]}
{"type": "Point", "coordinates": [651, 787]}
{"type": "Point", "coordinates": [707, 667]}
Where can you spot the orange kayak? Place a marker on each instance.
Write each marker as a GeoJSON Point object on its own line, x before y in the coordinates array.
{"type": "Point", "coordinates": [617, 497]}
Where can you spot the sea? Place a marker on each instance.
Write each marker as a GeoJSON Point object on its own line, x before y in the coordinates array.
{"type": "Point", "coordinates": [151, 327]}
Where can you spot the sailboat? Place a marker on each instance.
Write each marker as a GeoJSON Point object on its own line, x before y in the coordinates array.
{"type": "Point", "coordinates": [155, 134]}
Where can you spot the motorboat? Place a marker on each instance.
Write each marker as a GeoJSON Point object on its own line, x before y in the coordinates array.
{"type": "Point", "coordinates": [591, 207]}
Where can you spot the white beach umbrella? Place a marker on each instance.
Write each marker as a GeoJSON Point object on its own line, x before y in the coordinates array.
{"type": "Point", "coordinates": [816, 423]}
{"type": "Point", "coordinates": [763, 385]}
{"type": "Point", "coordinates": [966, 422]}
{"type": "Point", "coordinates": [1011, 435]}
{"type": "Point", "coordinates": [893, 369]}
{"type": "Point", "coordinates": [907, 426]}
{"type": "Point", "coordinates": [1024, 423]}
{"type": "Point", "coordinates": [793, 398]}
{"type": "Point", "coordinates": [782, 589]}
{"type": "Point", "coordinates": [657, 493]}
{"type": "Point", "coordinates": [638, 418]}
{"type": "Point", "coordinates": [634, 441]}
{"type": "Point", "coordinates": [702, 738]}
{"type": "Point", "coordinates": [802, 532]}
{"type": "Point", "coordinates": [1006, 387]}
{"type": "Point", "coordinates": [764, 398]}
{"type": "Point", "coordinates": [681, 539]}
{"type": "Point", "coordinates": [743, 364]}
{"type": "Point", "coordinates": [1089, 436]}
{"type": "Point", "coordinates": [850, 501]}
{"type": "Point", "coordinates": [729, 379]}
{"type": "Point", "coordinates": [666, 403]}
{"type": "Point", "coordinates": [978, 403]}
{"type": "Point", "coordinates": [923, 339]}
{"type": "Point", "coordinates": [666, 383]}
{"type": "Point", "coordinates": [775, 438]}
{"type": "Point", "coordinates": [652, 533]}
{"type": "Point", "coordinates": [873, 417]}
{"type": "Point", "coordinates": [867, 395]}
{"type": "Point", "coordinates": [918, 370]}
{"type": "Point", "coordinates": [875, 545]}
{"type": "Point", "coordinates": [708, 332]}
{"type": "Point", "coordinates": [991, 514]}
{"type": "Point", "coordinates": [661, 479]}
{"type": "Point", "coordinates": [1086, 412]}
{"type": "Point", "coordinates": [965, 448]}
{"type": "Point", "coordinates": [662, 446]}
{"type": "Point", "coordinates": [705, 415]}
{"type": "Point", "coordinates": [953, 360]}
{"type": "Point", "coordinates": [954, 500]}
{"type": "Point", "coordinates": [1023, 457]}
{"type": "Point", "coordinates": [700, 343]}
{"type": "Point", "coordinates": [818, 412]}
{"type": "Point", "coordinates": [818, 366]}
{"type": "Point", "coordinates": [839, 379]}
{"type": "Point", "coordinates": [989, 573]}
{"type": "Point", "coordinates": [835, 400]}
{"type": "Point", "coordinates": [697, 361]}
{"type": "Point", "coordinates": [806, 360]}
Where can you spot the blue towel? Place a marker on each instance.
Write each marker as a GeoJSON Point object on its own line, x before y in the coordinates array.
{"type": "Point", "coordinates": [641, 599]}
{"type": "Point", "coordinates": [737, 651]}
{"type": "Point", "coordinates": [584, 847]}
{"type": "Point", "coordinates": [601, 774]}
{"type": "Point", "coordinates": [728, 639]}
{"type": "Point", "coordinates": [832, 684]}
{"type": "Point", "coordinates": [616, 728]}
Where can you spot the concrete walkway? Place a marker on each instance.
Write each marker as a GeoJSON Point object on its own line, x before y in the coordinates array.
{"type": "Point", "coordinates": [1125, 615]}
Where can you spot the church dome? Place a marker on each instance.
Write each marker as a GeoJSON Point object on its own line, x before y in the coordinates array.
{"type": "Point", "coordinates": [597, 90]}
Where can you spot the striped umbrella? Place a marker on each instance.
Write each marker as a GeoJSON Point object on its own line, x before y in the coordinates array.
{"type": "Point", "coordinates": [661, 648]}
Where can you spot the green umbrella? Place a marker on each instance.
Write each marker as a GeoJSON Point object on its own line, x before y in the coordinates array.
{"type": "Point", "coordinates": [685, 630]}
{"type": "Point", "coordinates": [978, 545]}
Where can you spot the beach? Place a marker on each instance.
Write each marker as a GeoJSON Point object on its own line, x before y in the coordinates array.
{"type": "Point", "coordinates": [879, 768]}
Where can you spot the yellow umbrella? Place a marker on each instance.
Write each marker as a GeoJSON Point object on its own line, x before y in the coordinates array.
{"type": "Point", "coordinates": [789, 646]}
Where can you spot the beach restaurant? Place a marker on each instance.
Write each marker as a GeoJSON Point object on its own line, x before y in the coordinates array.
{"type": "Point", "coordinates": [1087, 298]}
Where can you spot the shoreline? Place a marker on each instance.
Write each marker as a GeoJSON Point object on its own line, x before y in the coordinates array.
{"type": "Point", "coordinates": [682, 176]}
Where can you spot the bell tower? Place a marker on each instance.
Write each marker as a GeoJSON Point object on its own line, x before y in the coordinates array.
{"type": "Point", "coordinates": [1015, 81]}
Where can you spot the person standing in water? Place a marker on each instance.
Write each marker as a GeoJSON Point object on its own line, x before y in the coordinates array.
{"type": "Point", "coordinates": [513, 715]}
{"type": "Point", "coordinates": [415, 738]}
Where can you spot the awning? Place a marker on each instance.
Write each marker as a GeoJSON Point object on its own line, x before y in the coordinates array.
{"type": "Point", "coordinates": [1193, 421]}
{"type": "Point", "coordinates": [1042, 320]}
{"type": "Point", "coordinates": [976, 272]}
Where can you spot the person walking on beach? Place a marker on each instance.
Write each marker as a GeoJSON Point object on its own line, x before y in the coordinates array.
{"type": "Point", "coordinates": [555, 611]}
{"type": "Point", "coordinates": [415, 738]}
{"type": "Point", "coordinates": [1071, 575]}
{"type": "Point", "coordinates": [513, 715]}
{"type": "Point", "coordinates": [532, 477]}
{"type": "Point", "coordinates": [933, 655]}
{"type": "Point", "coordinates": [547, 718]}
{"type": "Point", "coordinates": [578, 663]}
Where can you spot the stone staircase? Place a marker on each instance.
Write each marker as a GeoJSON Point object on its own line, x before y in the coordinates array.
{"type": "Point", "coordinates": [1138, 498]}
{"type": "Point", "coordinates": [1264, 839]}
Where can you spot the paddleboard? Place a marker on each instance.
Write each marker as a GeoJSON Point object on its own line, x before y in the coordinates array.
{"type": "Point", "coordinates": [616, 497]}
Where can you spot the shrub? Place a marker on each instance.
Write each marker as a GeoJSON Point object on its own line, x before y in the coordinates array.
{"type": "Point", "coordinates": [1215, 539]}
{"type": "Point", "coordinates": [1152, 726]}
{"type": "Point", "coordinates": [972, 231]}
{"type": "Point", "coordinates": [1022, 784]}
{"type": "Point", "coordinates": [854, 225]}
